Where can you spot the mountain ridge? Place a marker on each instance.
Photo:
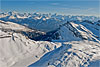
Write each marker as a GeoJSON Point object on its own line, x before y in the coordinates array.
{"type": "Point", "coordinates": [47, 40]}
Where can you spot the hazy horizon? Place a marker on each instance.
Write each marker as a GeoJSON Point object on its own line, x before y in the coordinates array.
{"type": "Point", "coordinates": [77, 7]}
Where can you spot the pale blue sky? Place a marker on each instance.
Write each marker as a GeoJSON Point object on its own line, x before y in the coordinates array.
{"type": "Point", "coordinates": [73, 7]}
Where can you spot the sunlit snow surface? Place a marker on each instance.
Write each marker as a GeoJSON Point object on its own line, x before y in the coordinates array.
{"type": "Point", "coordinates": [77, 43]}
{"type": "Point", "coordinates": [18, 51]}
{"type": "Point", "coordinates": [71, 54]}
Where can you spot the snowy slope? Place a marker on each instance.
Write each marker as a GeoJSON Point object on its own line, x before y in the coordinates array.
{"type": "Point", "coordinates": [18, 51]}
{"type": "Point", "coordinates": [72, 31]}
{"type": "Point", "coordinates": [71, 54]}
{"type": "Point", "coordinates": [67, 41]}
{"type": "Point", "coordinates": [16, 28]}
{"type": "Point", "coordinates": [15, 47]}
{"type": "Point", "coordinates": [12, 26]}
{"type": "Point", "coordinates": [94, 28]}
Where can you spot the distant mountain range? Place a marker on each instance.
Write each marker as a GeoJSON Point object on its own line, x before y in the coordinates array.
{"type": "Point", "coordinates": [44, 22]}
{"type": "Point", "coordinates": [46, 40]}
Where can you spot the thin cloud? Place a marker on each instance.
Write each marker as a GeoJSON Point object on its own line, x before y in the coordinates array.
{"type": "Point", "coordinates": [89, 9]}
{"type": "Point", "coordinates": [54, 4]}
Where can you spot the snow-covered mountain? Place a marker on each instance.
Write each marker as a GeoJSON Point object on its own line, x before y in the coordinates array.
{"type": "Point", "coordinates": [72, 31]}
{"type": "Point", "coordinates": [71, 54]}
{"type": "Point", "coordinates": [16, 48]}
{"type": "Point", "coordinates": [44, 22]}
{"type": "Point", "coordinates": [46, 40]}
